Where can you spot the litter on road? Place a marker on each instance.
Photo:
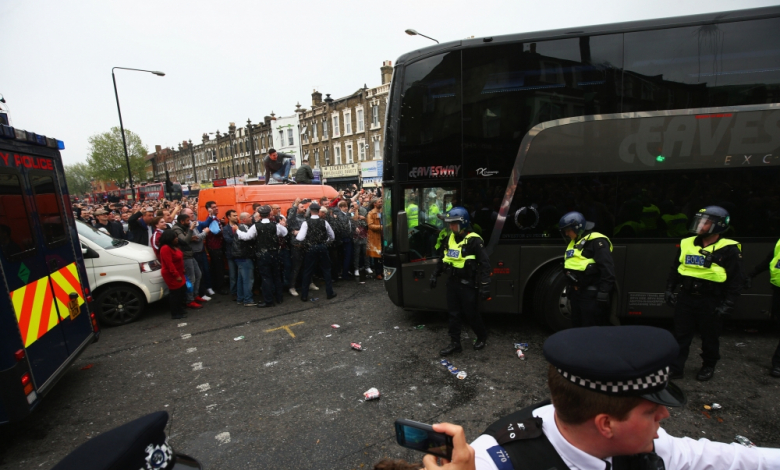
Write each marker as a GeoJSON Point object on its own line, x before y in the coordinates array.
{"type": "Point", "coordinates": [521, 346]}
{"type": "Point", "coordinates": [356, 346]}
{"type": "Point", "coordinates": [520, 354]}
{"type": "Point", "coordinates": [371, 394]}
{"type": "Point", "coordinates": [88, 366]}
{"type": "Point", "coordinates": [419, 327]}
{"type": "Point", "coordinates": [744, 441]}
{"type": "Point", "coordinates": [740, 345]}
{"type": "Point", "coordinates": [461, 375]}
{"type": "Point", "coordinates": [335, 326]}
{"type": "Point", "coordinates": [182, 325]}
{"type": "Point", "coordinates": [238, 338]}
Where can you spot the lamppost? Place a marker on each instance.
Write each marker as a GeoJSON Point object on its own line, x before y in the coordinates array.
{"type": "Point", "coordinates": [194, 173]}
{"type": "Point", "coordinates": [122, 127]}
{"type": "Point", "coordinates": [412, 32]}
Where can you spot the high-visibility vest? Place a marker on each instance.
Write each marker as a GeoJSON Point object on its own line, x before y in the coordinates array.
{"type": "Point", "coordinates": [433, 212]}
{"type": "Point", "coordinates": [676, 224]}
{"type": "Point", "coordinates": [692, 260]}
{"type": "Point", "coordinates": [412, 216]}
{"type": "Point", "coordinates": [774, 267]}
{"type": "Point", "coordinates": [649, 216]}
{"type": "Point", "coordinates": [444, 233]}
{"type": "Point", "coordinates": [574, 260]}
{"type": "Point", "coordinates": [454, 253]}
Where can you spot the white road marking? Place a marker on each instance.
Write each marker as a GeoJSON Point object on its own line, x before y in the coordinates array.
{"type": "Point", "coordinates": [191, 350]}
{"type": "Point", "coordinates": [269, 364]}
{"type": "Point", "coordinates": [182, 325]}
{"type": "Point", "coordinates": [187, 336]}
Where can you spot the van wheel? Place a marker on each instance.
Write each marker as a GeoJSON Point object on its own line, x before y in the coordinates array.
{"type": "Point", "coordinates": [551, 304]}
{"type": "Point", "coordinates": [119, 305]}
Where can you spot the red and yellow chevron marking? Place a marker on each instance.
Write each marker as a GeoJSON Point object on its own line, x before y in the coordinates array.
{"type": "Point", "coordinates": [36, 306]}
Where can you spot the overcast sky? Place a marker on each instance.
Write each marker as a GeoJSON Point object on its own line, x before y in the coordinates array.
{"type": "Point", "coordinates": [232, 60]}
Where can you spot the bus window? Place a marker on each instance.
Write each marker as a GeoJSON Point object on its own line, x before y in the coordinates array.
{"type": "Point", "coordinates": [482, 198]}
{"type": "Point", "coordinates": [16, 239]}
{"type": "Point", "coordinates": [387, 220]}
{"type": "Point", "coordinates": [431, 98]}
{"type": "Point", "coordinates": [48, 207]}
{"type": "Point", "coordinates": [727, 64]}
{"type": "Point", "coordinates": [425, 209]}
{"type": "Point", "coordinates": [508, 89]}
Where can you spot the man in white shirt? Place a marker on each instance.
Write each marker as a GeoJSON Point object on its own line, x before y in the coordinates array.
{"type": "Point", "coordinates": [606, 410]}
{"type": "Point", "coordinates": [313, 235]}
{"type": "Point", "coordinates": [267, 254]}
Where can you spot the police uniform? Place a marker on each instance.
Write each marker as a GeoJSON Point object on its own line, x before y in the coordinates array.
{"type": "Point", "coordinates": [710, 280]}
{"type": "Point", "coordinates": [139, 444]}
{"type": "Point", "coordinates": [772, 263]}
{"type": "Point", "coordinates": [589, 270]}
{"type": "Point", "coordinates": [267, 260]}
{"type": "Point", "coordinates": [464, 259]}
{"type": "Point", "coordinates": [314, 235]}
{"type": "Point", "coordinates": [412, 216]}
{"type": "Point", "coordinates": [630, 361]}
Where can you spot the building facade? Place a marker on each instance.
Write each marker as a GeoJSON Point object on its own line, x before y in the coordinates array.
{"type": "Point", "coordinates": [338, 134]}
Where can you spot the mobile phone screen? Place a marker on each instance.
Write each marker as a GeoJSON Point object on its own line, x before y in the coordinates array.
{"type": "Point", "coordinates": [422, 437]}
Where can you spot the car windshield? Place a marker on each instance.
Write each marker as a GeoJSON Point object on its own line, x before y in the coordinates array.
{"type": "Point", "coordinates": [98, 237]}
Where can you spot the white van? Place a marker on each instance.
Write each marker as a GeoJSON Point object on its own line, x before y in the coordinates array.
{"type": "Point", "coordinates": [123, 276]}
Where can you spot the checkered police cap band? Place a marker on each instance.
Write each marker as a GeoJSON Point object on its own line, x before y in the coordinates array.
{"type": "Point", "coordinates": [638, 386]}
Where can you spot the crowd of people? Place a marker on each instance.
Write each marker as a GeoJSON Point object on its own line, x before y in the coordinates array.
{"type": "Point", "coordinates": [266, 252]}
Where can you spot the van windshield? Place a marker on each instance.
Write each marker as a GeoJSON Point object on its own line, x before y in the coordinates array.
{"type": "Point", "coordinates": [102, 239]}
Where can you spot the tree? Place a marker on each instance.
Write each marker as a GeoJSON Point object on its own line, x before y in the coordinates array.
{"type": "Point", "coordinates": [78, 177]}
{"type": "Point", "coordinates": [107, 157]}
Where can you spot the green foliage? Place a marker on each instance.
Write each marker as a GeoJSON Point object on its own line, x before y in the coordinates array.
{"type": "Point", "coordinates": [106, 158]}
{"type": "Point", "coordinates": [78, 177]}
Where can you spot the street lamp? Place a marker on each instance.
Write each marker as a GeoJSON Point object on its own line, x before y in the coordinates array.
{"type": "Point", "coordinates": [122, 127]}
{"type": "Point", "coordinates": [412, 32]}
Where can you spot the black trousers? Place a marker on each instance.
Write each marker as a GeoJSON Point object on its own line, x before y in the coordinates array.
{"type": "Point", "coordinates": [316, 255]}
{"type": "Point", "coordinates": [694, 312]}
{"type": "Point", "coordinates": [462, 304]}
{"type": "Point", "coordinates": [217, 269]}
{"type": "Point", "coordinates": [296, 270]}
{"type": "Point", "coordinates": [177, 298]}
{"type": "Point", "coordinates": [585, 309]}
{"type": "Point", "coordinates": [776, 316]}
{"type": "Point", "coordinates": [269, 268]}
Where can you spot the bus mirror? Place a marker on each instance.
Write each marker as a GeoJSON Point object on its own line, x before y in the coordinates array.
{"type": "Point", "coordinates": [402, 232]}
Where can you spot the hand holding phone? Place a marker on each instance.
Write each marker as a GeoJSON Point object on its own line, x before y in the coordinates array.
{"type": "Point", "coordinates": [463, 455]}
{"type": "Point", "coordinates": [422, 437]}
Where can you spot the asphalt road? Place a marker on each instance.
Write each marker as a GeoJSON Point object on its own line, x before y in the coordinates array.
{"type": "Point", "coordinates": [279, 388]}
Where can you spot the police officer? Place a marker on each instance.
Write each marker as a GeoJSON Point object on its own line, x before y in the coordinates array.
{"type": "Point", "coordinates": [589, 269]}
{"type": "Point", "coordinates": [463, 257]}
{"type": "Point", "coordinates": [314, 234]}
{"type": "Point", "coordinates": [267, 261]}
{"type": "Point", "coordinates": [708, 270]}
{"type": "Point", "coordinates": [140, 443]}
{"type": "Point", "coordinates": [605, 413]}
{"type": "Point", "coordinates": [771, 262]}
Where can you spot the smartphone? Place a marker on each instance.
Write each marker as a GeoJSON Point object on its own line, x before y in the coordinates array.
{"type": "Point", "coordinates": [422, 437]}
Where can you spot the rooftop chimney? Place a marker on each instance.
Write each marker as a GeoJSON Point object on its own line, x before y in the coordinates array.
{"type": "Point", "coordinates": [387, 71]}
{"type": "Point", "coordinates": [328, 99]}
{"type": "Point", "coordinates": [157, 148]}
{"type": "Point", "coordinates": [316, 98]}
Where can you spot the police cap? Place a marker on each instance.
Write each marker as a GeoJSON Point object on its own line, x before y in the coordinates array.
{"type": "Point", "coordinates": [618, 361]}
{"type": "Point", "coordinates": [264, 210]}
{"type": "Point", "coordinates": [139, 444]}
{"type": "Point", "coordinates": [314, 207]}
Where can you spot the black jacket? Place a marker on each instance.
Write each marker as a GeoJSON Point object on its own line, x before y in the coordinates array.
{"type": "Point", "coordinates": [304, 175]}
{"type": "Point", "coordinates": [114, 229]}
{"type": "Point", "coordinates": [137, 231]}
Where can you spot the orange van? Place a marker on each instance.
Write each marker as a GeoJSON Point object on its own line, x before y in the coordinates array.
{"type": "Point", "coordinates": [241, 198]}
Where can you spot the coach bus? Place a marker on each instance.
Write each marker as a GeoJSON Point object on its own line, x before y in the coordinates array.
{"type": "Point", "coordinates": [636, 125]}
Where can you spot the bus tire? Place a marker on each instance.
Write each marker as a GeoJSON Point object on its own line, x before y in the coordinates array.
{"type": "Point", "coordinates": [119, 305]}
{"type": "Point", "coordinates": [551, 306]}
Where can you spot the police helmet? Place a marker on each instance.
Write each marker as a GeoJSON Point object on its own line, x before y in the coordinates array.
{"type": "Point", "coordinates": [711, 219]}
{"type": "Point", "coordinates": [574, 221]}
{"type": "Point", "coordinates": [460, 215]}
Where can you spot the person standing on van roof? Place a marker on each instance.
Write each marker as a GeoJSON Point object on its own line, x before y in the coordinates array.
{"type": "Point", "coordinates": [304, 175]}
{"type": "Point", "coordinates": [277, 166]}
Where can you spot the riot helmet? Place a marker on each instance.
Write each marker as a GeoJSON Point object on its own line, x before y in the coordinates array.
{"type": "Point", "coordinates": [576, 222]}
{"type": "Point", "coordinates": [710, 220]}
{"type": "Point", "coordinates": [460, 215]}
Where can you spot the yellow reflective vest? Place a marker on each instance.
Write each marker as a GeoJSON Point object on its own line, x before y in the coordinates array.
{"type": "Point", "coordinates": [412, 216]}
{"type": "Point", "coordinates": [453, 255]}
{"type": "Point", "coordinates": [774, 267]}
{"type": "Point", "coordinates": [692, 260]}
{"type": "Point", "coordinates": [574, 260]}
{"type": "Point", "coordinates": [676, 224]}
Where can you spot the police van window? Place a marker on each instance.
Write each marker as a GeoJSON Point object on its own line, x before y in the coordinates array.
{"type": "Point", "coordinates": [425, 209]}
{"type": "Point", "coordinates": [48, 207]}
{"type": "Point", "coordinates": [727, 64]}
{"type": "Point", "coordinates": [16, 235]}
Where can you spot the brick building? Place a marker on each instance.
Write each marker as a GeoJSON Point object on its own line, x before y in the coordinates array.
{"type": "Point", "coordinates": [338, 134]}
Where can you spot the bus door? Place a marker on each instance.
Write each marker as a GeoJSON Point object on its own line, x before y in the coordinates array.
{"type": "Point", "coordinates": [61, 242]}
{"type": "Point", "coordinates": [425, 207]}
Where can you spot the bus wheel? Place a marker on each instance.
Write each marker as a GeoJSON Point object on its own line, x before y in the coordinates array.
{"type": "Point", "coordinates": [550, 300]}
{"type": "Point", "coordinates": [119, 305]}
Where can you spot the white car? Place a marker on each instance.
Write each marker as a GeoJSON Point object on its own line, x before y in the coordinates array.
{"type": "Point", "coordinates": [123, 276]}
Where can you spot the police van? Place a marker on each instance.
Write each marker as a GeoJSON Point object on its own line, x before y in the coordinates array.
{"type": "Point", "coordinates": [45, 317]}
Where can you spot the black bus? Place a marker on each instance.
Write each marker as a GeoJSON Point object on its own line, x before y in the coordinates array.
{"type": "Point", "coordinates": [636, 125]}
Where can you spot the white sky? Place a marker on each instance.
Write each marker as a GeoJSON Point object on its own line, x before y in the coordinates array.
{"type": "Point", "coordinates": [232, 60]}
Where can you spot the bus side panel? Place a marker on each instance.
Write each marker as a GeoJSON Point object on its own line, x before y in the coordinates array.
{"type": "Point", "coordinates": [416, 286]}
{"type": "Point", "coordinates": [505, 282]}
